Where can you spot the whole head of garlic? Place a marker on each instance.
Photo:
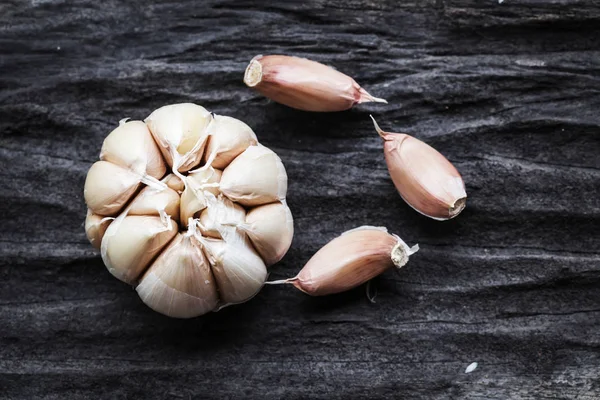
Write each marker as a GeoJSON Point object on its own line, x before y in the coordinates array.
{"type": "Point", "coordinates": [189, 208]}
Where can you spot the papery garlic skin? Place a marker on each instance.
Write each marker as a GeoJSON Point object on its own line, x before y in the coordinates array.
{"type": "Point", "coordinates": [95, 227]}
{"type": "Point", "coordinates": [304, 84]}
{"type": "Point", "coordinates": [351, 259]}
{"type": "Point", "coordinates": [229, 137]}
{"type": "Point", "coordinates": [270, 228]}
{"type": "Point", "coordinates": [425, 179]}
{"type": "Point", "coordinates": [109, 187]}
{"type": "Point", "coordinates": [181, 133]}
{"type": "Point", "coordinates": [220, 217]}
{"type": "Point", "coordinates": [131, 242]}
{"type": "Point", "coordinates": [174, 182]}
{"type": "Point", "coordinates": [255, 177]}
{"type": "Point", "coordinates": [179, 283]}
{"type": "Point", "coordinates": [197, 184]}
{"type": "Point", "coordinates": [153, 201]}
{"type": "Point", "coordinates": [238, 269]}
{"type": "Point", "coordinates": [131, 146]}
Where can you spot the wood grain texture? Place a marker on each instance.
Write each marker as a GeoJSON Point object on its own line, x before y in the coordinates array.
{"type": "Point", "coordinates": [509, 92]}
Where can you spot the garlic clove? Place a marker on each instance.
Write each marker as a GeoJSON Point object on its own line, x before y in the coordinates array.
{"type": "Point", "coordinates": [229, 137]}
{"type": "Point", "coordinates": [95, 227]}
{"type": "Point", "coordinates": [131, 242]}
{"type": "Point", "coordinates": [131, 146]}
{"type": "Point", "coordinates": [350, 260]}
{"type": "Point", "coordinates": [220, 217]}
{"type": "Point", "coordinates": [304, 84]}
{"type": "Point", "coordinates": [181, 133]}
{"type": "Point", "coordinates": [239, 271]}
{"type": "Point", "coordinates": [152, 201]}
{"type": "Point", "coordinates": [425, 179]}
{"type": "Point", "coordinates": [180, 283]}
{"type": "Point", "coordinates": [197, 184]}
{"type": "Point", "coordinates": [174, 182]}
{"type": "Point", "coordinates": [255, 177]}
{"type": "Point", "coordinates": [270, 228]}
{"type": "Point", "coordinates": [108, 187]}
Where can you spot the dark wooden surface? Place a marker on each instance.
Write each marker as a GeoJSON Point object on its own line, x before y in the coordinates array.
{"type": "Point", "coordinates": [509, 92]}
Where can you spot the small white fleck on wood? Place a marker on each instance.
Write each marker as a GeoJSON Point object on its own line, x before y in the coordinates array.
{"type": "Point", "coordinates": [472, 367]}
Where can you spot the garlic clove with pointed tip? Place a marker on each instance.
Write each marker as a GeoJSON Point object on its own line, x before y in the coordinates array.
{"type": "Point", "coordinates": [220, 217]}
{"type": "Point", "coordinates": [181, 133]}
{"type": "Point", "coordinates": [131, 242]}
{"type": "Point", "coordinates": [351, 259]}
{"type": "Point", "coordinates": [255, 177]}
{"type": "Point", "coordinates": [151, 201]}
{"type": "Point", "coordinates": [270, 228]}
{"type": "Point", "coordinates": [174, 182]}
{"type": "Point", "coordinates": [229, 137]}
{"type": "Point", "coordinates": [197, 184]}
{"type": "Point", "coordinates": [95, 227]}
{"type": "Point", "coordinates": [179, 283]}
{"type": "Point", "coordinates": [304, 84]}
{"type": "Point", "coordinates": [425, 179]}
{"type": "Point", "coordinates": [239, 271]}
{"type": "Point", "coordinates": [131, 146]}
{"type": "Point", "coordinates": [109, 187]}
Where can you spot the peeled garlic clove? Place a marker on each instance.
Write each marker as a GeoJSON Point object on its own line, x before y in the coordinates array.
{"type": "Point", "coordinates": [425, 179]}
{"type": "Point", "coordinates": [350, 260]}
{"type": "Point", "coordinates": [131, 243]}
{"type": "Point", "coordinates": [197, 183]}
{"type": "Point", "coordinates": [180, 283]}
{"type": "Point", "coordinates": [270, 228]}
{"type": "Point", "coordinates": [131, 146]}
{"type": "Point", "coordinates": [174, 182]}
{"type": "Point", "coordinates": [221, 215]}
{"type": "Point", "coordinates": [229, 137]}
{"type": "Point", "coordinates": [108, 187]}
{"type": "Point", "coordinates": [304, 84]}
{"type": "Point", "coordinates": [239, 271]}
{"type": "Point", "coordinates": [95, 227]}
{"type": "Point", "coordinates": [152, 201]}
{"type": "Point", "coordinates": [181, 133]}
{"type": "Point", "coordinates": [255, 177]}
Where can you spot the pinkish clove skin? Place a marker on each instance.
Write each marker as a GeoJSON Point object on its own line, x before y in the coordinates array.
{"type": "Point", "coordinates": [304, 84]}
{"type": "Point", "coordinates": [425, 179]}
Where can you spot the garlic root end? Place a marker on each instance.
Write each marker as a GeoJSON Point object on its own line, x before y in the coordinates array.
{"type": "Point", "coordinates": [457, 207]}
{"type": "Point", "coordinates": [253, 74]}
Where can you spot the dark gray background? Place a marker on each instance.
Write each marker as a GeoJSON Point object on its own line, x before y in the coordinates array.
{"type": "Point", "coordinates": [508, 92]}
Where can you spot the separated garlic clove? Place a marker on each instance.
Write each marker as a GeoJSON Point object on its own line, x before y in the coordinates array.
{"type": "Point", "coordinates": [152, 201]}
{"type": "Point", "coordinates": [304, 84]}
{"type": "Point", "coordinates": [350, 260]}
{"type": "Point", "coordinates": [255, 177]}
{"type": "Point", "coordinates": [270, 228]}
{"type": "Point", "coordinates": [425, 179]}
{"type": "Point", "coordinates": [95, 227]}
{"type": "Point", "coordinates": [239, 271]}
{"type": "Point", "coordinates": [181, 133]}
{"type": "Point", "coordinates": [109, 187]}
{"type": "Point", "coordinates": [197, 184]}
{"type": "Point", "coordinates": [220, 217]}
{"type": "Point", "coordinates": [131, 242]}
{"type": "Point", "coordinates": [180, 283]}
{"type": "Point", "coordinates": [229, 137]}
{"type": "Point", "coordinates": [174, 182]}
{"type": "Point", "coordinates": [131, 146]}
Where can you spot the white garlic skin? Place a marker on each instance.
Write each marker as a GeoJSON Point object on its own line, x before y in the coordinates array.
{"type": "Point", "coordinates": [95, 227]}
{"type": "Point", "coordinates": [197, 185]}
{"type": "Point", "coordinates": [255, 177]}
{"type": "Point", "coordinates": [152, 201]}
{"type": "Point", "coordinates": [229, 137]}
{"type": "Point", "coordinates": [180, 283]}
{"type": "Point", "coordinates": [220, 217]}
{"type": "Point", "coordinates": [109, 187]}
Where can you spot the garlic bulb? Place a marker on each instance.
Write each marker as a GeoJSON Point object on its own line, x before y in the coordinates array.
{"type": "Point", "coordinates": [181, 133]}
{"type": "Point", "coordinates": [425, 179]}
{"type": "Point", "coordinates": [239, 271]}
{"type": "Point", "coordinates": [270, 228]}
{"type": "Point", "coordinates": [181, 274]}
{"type": "Point", "coordinates": [351, 259]}
{"type": "Point", "coordinates": [304, 84]}
{"type": "Point", "coordinates": [109, 187]}
{"type": "Point", "coordinates": [228, 138]}
{"type": "Point", "coordinates": [165, 222]}
{"type": "Point", "coordinates": [95, 227]}
{"type": "Point", "coordinates": [255, 177]}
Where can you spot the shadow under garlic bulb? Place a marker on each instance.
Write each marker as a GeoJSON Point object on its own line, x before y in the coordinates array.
{"type": "Point", "coordinates": [176, 206]}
